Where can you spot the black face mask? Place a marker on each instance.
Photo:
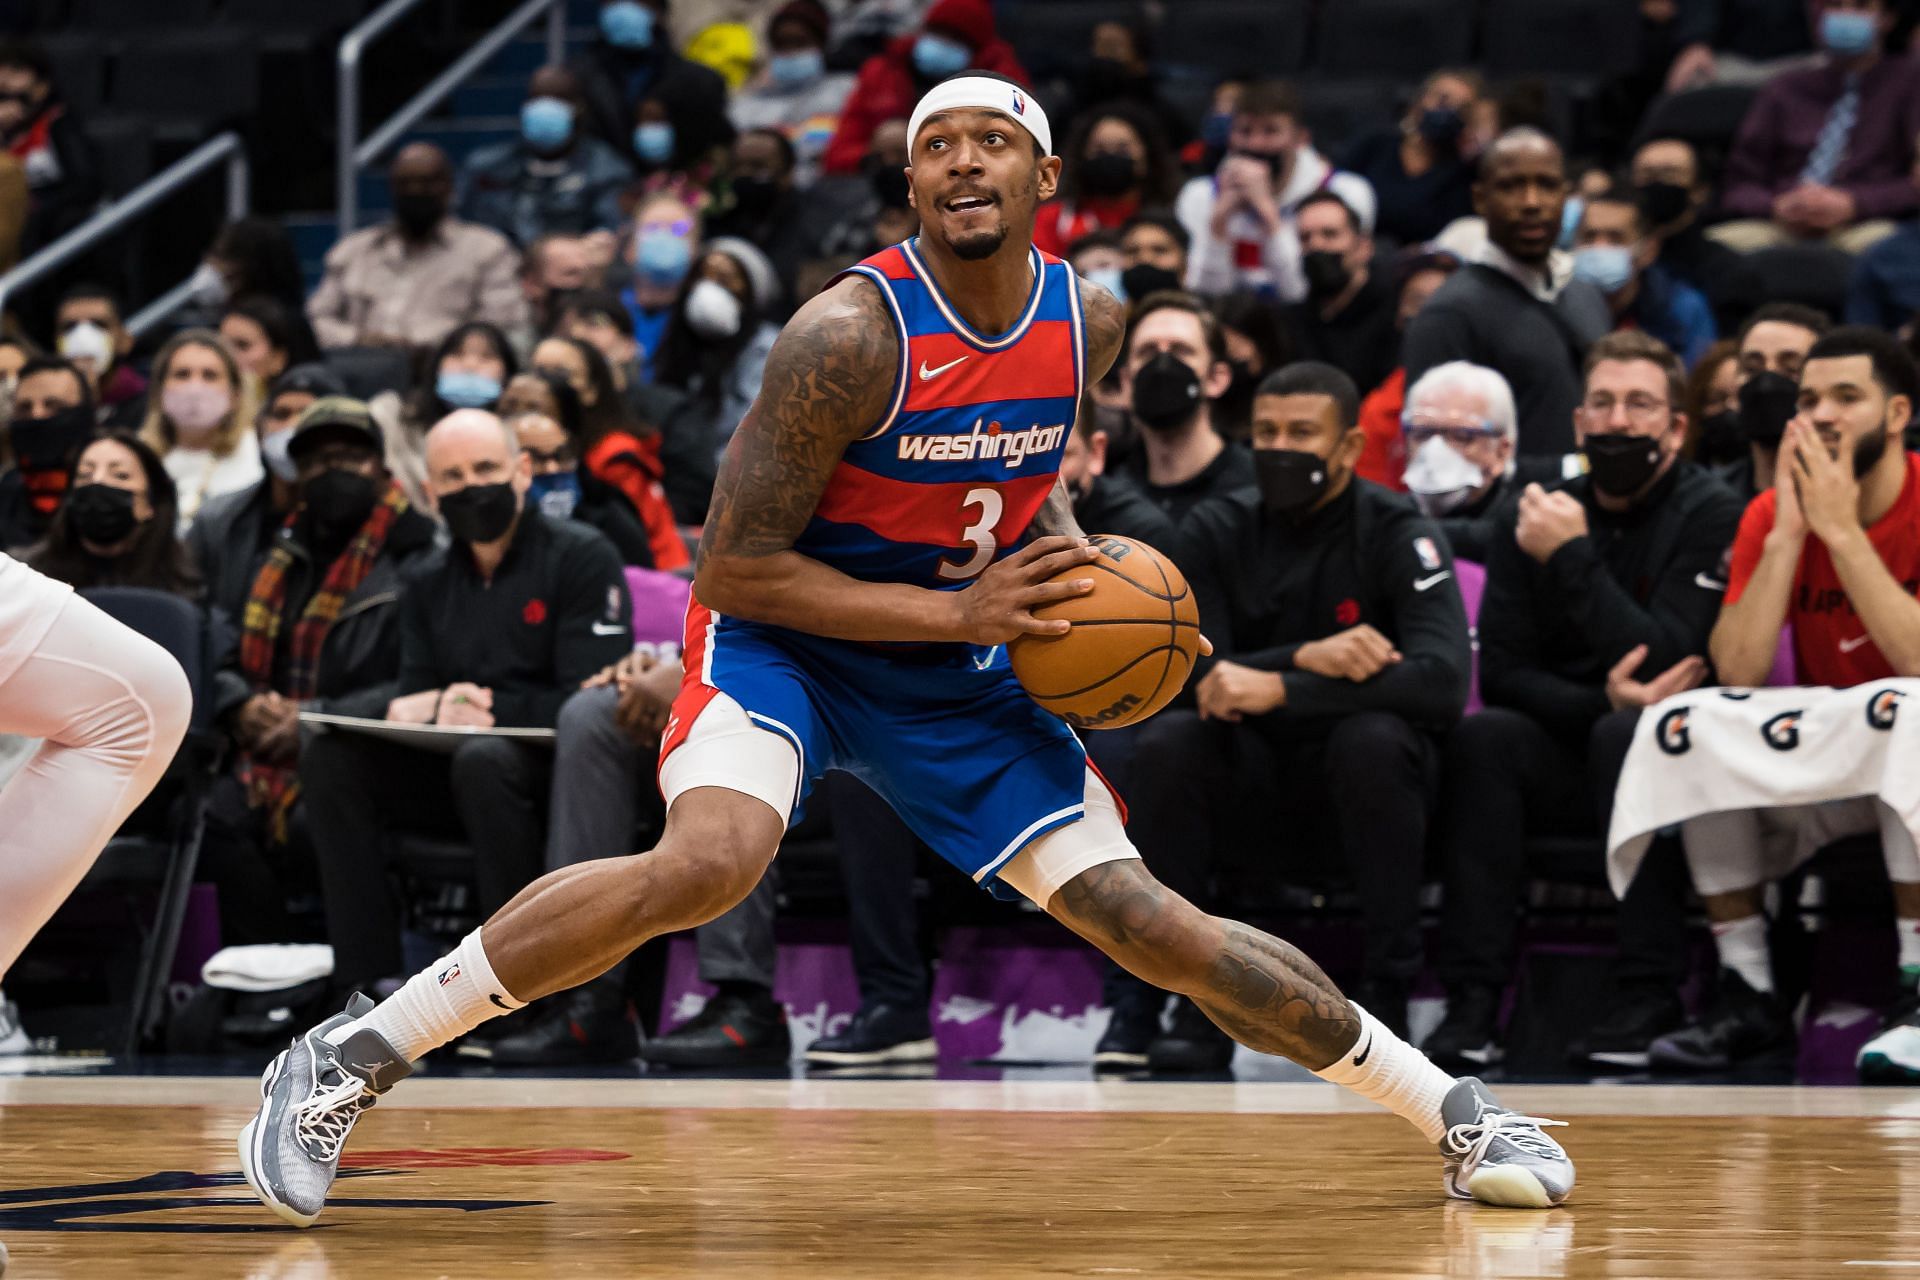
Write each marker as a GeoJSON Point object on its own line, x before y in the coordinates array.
{"type": "Point", "coordinates": [1290, 480]}
{"type": "Point", "coordinates": [418, 213]}
{"type": "Point", "coordinates": [1109, 173]}
{"type": "Point", "coordinates": [889, 183]}
{"type": "Point", "coordinates": [1662, 202]}
{"type": "Point", "coordinates": [480, 512]}
{"type": "Point", "coordinates": [1442, 126]}
{"type": "Point", "coordinates": [1768, 402]}
{"type": "Point", "coordinates": [49, 444]}
{"type": "Point", "coordinates": [754, 196]}
{"type": "Point", "coordinates": [338, 502]}
{"type": "Point", "coordinates": [1276, 162]}
{"type": "Point", "coordinates": [1166, 393]}
{"type": "Point", "coordinates": [1723, 439]}
{"type": "Point", "coordinates": [1141, 279]}
{"type": "Point", "coordinates": [1326, 273]}
{"type": "Point", "coordinates": [101, 514]}
{"type": "Point", "coordinates": [1867, 454]}
{"type": "Point", "coordinates": [1622, 465]}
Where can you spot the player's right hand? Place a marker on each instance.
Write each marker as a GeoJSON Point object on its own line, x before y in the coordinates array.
{"type": "Point", "coordinates": [999, 606]}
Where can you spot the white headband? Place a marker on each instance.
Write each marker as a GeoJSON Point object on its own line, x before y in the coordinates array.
{"type": "Point", "coordinates": [984, 93]}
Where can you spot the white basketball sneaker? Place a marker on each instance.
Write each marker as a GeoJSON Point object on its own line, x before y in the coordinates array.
{"type": "Point", "coordinates": [310, 1098]}
{"type": "Point", "coordinates": [1500, 1157]}
{"type": "Point", "coordinates": [14, 1039]}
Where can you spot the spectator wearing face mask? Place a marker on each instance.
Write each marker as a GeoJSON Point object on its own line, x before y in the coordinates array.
{"type": "Point", "coordinates": [1116, 162]}
{"type": "Point", "coordinates": [52, 420]}
{"type": "Point", "coordinates": [764, 209]}
{"type": "Point", "coordinates": [717, 343]}
{"type": "Point", "coordinates": [1714, 437]}
{"type": "Point", "coordinates": [1672, 193]}
{"type": "Point", "coordinates": [1175, 368]}
{"type": "Point", "coordinates": [631, 59]}
{"type": "Point", "coordinates": [468, 370]}
{"type": "Point", "coordinates": [665, 231]}
{"type": "Point", "coordinates": [1258, 341]}
{"type": "Point", "coordinates": [89, 332]}
{"type": "Point", "coordinates": [1340, 651]}
{"type": "Point", "coordinates": [1614, 253]}
{"type": "Point", "coordinates": [555, 178]}
{"type": "Point", "coordinates": [1599, 597]}
{"type": "Point", "coordinates": [1347, 318]}
{"type": "Point", "coordinates": [1420, 271]}
{"type": "Point", "coordinates": [1096, 256]}
{"type": "Point", "coordinates": [626, 452]}
{"type": "Point", "coordinates": [266, 336]}
{"type": "Point", "coordinates": [1119, 72]}
{"type": "Point", "coordinates": [319, 631]}
{"type": "Point", "coordinates": [1241, 217]}
{"type": "Point", "coordinates": [793, 93]}
{"type": "Point", "coordinates": [1419, 171]}
{"type": "Point", "coordinates": [955, 36]}
{"type": "Point", "coordinates": [675, 155]}
{"type": "Point", "coordinates": [249, 256]}
{"type": "Point", "coordinates": [1514, 308]}
{"type": "Point", "coordinates": [500, 628]}
{"type": "Point", "coordinates": [200, 412]}
{"type": "Point", "coordinates": [42, 133]}
{"type": "Point", "coordinates": [1826, 153]}
{"type": "Point", "coordinates": [1458, 429]}
{"type": "Point", "coordinates": [407, 282]}
{"type": "Point", "coordinates": [232, 535]}
{"type": "Point", "coordinates": [854, 215]}
{"type": "Point", "coordinates": [115, 524]}
{"type": "Point", "coordinates": [538, 406]}
{"type": "Point", "coordinates": [1154, 248]}
{"type": "Point", "coordinates": [1772, 347]}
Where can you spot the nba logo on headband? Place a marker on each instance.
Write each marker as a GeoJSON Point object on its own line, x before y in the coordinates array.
{"type": "Point", "coordinates": [1019, 104]}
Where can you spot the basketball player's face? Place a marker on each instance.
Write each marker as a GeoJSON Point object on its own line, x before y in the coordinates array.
{"type": "Point", "coordinates": [1854, 415]}
{"type": "Point", "coordinates": [975, 182]}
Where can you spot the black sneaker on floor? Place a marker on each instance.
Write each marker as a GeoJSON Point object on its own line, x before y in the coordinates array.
{"type": "Point", "coordinates": [1741, 1024]}
{"type": "Point", "coordinates": [1386, 999]}
{"type": "Point", "coordinates": [878, 1034]}
{"type": "Point", "coordinates": [1193, 1045]}
{"type": "Point", "coordinates": [732, 1031]}
{"type": "Point", "coordinates": [1469, 1034]}
{"type": "Point", "coordinates": [1632, 1019]}
{"type": "Point", "coordinates": [1134, 1026]}
{"type": "Point", "coordinates": [581, 1029]}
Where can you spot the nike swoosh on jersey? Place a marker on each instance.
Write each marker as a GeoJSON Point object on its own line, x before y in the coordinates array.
{"type": "Point", "coordinates": [609, 629]}
{"type": "Point", "coordinates": [1848, 646]}
{"type": "Point", "coordinates": [1707, 582]}
{"type": "Point", "coordinates": [1422, 584]}
{"type": "Point", "coordinates": [927, 374]}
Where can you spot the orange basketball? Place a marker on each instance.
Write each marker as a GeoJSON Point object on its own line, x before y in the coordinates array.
{"type": "Point", "coordinates": [1133, 643]}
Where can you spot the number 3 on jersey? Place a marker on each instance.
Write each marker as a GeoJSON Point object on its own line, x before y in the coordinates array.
{"type": "Point", "coordinates": [978, 535]}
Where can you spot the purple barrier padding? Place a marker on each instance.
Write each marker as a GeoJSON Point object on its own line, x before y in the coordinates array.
{"type": "Point", "coordinates": [659, 606]}
{"type": "Point", "coordinates": [199, 934]}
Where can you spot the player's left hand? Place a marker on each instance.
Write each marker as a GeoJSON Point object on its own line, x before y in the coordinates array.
{"type": "Point", "coordinates": [1230, 691]}
{"type": "Point", "coordinates": [1829, 495]}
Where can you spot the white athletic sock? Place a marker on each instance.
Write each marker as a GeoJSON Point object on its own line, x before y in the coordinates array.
{"type": "Point", "coordinates": [1908, 931]}
{"type": "Point", "coordinates": [1742, 945]}
{"type": "Point", "coordinates": [448, 998]}
{"type": "Point", "coordinates": [1383, 1068]}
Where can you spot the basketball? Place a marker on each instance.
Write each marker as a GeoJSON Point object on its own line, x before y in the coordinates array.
{"type": "Point", "coordinates": [1132, 646]}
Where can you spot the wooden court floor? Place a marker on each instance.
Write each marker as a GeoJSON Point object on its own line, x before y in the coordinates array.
{"type": "Point", "coordinates": [136, 1177]}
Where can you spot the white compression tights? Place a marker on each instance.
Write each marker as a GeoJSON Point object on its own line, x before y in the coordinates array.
{"type": "Point", "coordinates": [113, 707]}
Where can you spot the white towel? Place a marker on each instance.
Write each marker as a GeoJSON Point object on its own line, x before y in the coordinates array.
{"type": "Point", "coordinates": [267, 967]}
{"type": "Point", "coordinates": [1725, 750]}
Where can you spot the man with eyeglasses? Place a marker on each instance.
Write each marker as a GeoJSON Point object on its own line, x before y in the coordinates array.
{"type": "Point", "coordinates": [1458, 430]}
{"type": "Point", "coordinates": [1599, 599]}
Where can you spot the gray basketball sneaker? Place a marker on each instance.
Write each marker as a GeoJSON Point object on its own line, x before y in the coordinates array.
{"type": "Point", "coordinates": [310, 1097]}
{"type": "Point", "coordinates": [1497, 1156]}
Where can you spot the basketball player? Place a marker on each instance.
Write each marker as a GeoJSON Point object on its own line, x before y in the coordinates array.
{"type": "Point", "coordinates": [885, 520]}
{"type": "Point", "coordinates": [112, 707]}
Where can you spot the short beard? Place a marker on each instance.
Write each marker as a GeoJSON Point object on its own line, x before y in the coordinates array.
{"type": "Point", "coordinates": [1867, 453]}
{"type": "Point", "coordinates": [979, 247]}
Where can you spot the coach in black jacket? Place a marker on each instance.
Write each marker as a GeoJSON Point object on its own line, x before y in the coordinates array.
{"type": "Point", "coordinates": [1341, 652]}
{"type": "Point", "coordinates": [497, 630]}
{"type": "Point", "coordinates": [1600, 595]}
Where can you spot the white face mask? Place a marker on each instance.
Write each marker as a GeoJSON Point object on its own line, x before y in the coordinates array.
{"type": "Point", "coordinates": [712, 310]}
{"type": "Point", "coordinates": [195, 410]}
{"type": "Point", "coordinates": [274, 452]}
{"type": "Point", "coordinates": [88, 341]}
{"type": "Point", "coordinates": [1440, 479]}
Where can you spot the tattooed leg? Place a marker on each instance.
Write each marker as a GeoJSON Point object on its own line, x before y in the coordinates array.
{"type": "Point", "coordinates": [1258, 989]}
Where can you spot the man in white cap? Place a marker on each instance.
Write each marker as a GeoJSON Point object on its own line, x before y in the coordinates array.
{"type": "Point", "coordinates": [887, 518]}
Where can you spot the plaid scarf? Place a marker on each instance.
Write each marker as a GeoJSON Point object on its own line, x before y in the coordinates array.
{"type": "Point", "coordinates": [271, 787]}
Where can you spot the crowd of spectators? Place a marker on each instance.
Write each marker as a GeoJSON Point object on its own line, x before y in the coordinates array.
{"type": "Point", "coordinates": [1450, 425]}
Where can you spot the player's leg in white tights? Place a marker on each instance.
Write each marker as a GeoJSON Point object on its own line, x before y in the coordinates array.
{"type": "Point", "coordinates": [112, 707]}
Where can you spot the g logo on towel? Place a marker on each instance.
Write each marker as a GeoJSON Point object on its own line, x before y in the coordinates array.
{"type": "Point", "coordinates": [1883, 706]}
{"type": "Point", "coordinates": [1671, 733]}
{"type": "Point", "coordinates": [1783, 731]}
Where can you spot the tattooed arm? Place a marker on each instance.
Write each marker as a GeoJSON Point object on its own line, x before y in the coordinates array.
{"type": "Point", "coordinates": [1106, 324]}
{"type": "Point", "coordinates": [828, 381]}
